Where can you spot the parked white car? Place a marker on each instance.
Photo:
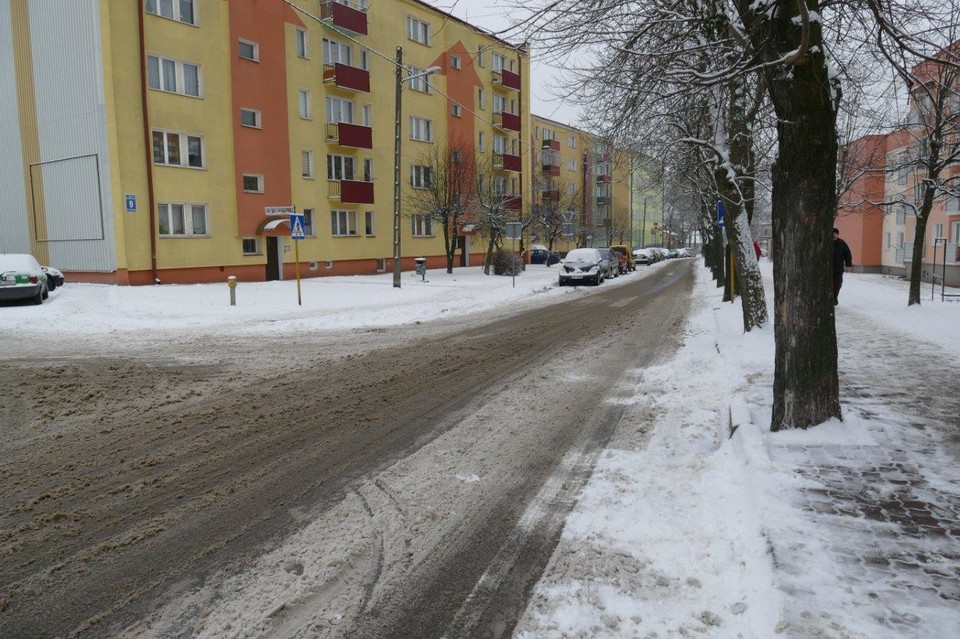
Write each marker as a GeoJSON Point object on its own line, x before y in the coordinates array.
{"type": "Point", "coordinates": [22, 278]}
{"type": "Point", "coordinates": [583, 265]}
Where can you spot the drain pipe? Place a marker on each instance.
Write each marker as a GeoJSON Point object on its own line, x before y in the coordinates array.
{"type": "Point", "coordinates": [148, 145]}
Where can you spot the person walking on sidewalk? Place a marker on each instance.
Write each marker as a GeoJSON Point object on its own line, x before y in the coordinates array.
{"type": "Point", "coordinates": [841, 258]}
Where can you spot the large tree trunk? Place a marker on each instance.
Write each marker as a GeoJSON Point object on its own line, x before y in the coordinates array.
{"type": "Point", "coordinates": [806, 389]}
{"type": "Point", "coordinates": [920, 232]}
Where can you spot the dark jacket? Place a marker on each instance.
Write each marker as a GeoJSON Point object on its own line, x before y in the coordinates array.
{"type": "Point", "coordinates": [841, 255]}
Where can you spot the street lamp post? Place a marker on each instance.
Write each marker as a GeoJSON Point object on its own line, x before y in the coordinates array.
{"type": "Point", "coordinates": [396, 159]}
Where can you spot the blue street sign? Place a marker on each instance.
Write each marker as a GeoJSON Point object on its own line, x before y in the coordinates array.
{"type": "Point", "coordinates": [720, 213]}
{"type": "Point", "coordinates": [131, 202]}
{"type": "Point", "coordinates": [297, 224]}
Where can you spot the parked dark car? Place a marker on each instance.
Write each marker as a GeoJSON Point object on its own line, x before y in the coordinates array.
{"type": "Point", "coordinates": [539, 254]}
{"type": "Point", "coordinates": [611, 262]}
{"type": "Point", "coordinates": [54, 277]}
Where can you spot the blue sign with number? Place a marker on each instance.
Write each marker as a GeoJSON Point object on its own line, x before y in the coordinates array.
{"type": "Point", "coordinates": [297, 224]}
{"type": "Point", "coordinates": [720, 213]}
{"type": "Point", "coordinates": [131, 201]}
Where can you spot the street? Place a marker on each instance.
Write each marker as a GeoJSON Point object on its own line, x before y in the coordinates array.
{"type": "Point", "coordinates": [377, 483]}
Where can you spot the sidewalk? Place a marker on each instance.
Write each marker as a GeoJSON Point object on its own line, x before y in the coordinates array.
{"type": "Point", "coordinates": [850, 529]}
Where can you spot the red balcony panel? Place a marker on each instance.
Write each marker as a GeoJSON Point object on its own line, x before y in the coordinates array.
{"type": "Point", "coordinates": [346, 77]}
{"type": "Point", "coordinates": [604, 179]}
{"type": "Point", "coordinates": [354, 135]}
{"type": "Point", "coordinates": [552, 170]}
{"type": "Point", "coordinates": [603, 201]}
{"type": "Point", "coordinates": [512, 163]}
{"type": "Point", "coordinates": [512, 202]}
{"type": "Point", "coordinates": [354, 192]}
{"type": "Point", "coordinates": [551, 145]}
{"type": "Point", "coordinates": [509, 121]}
{"type": "Point", "coordinates": [550, 197]}
{"type": "Point", "coordinates": [345, 17]}
{"type": "Point", "coordinates": [510, 79]}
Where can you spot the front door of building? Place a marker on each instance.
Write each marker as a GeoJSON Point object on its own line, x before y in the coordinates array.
{"type": "Point", "coordinates": [273, 259]}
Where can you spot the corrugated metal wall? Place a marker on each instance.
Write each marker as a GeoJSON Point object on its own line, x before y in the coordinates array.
{"type": "Point", "coordinates": [74, 168]}
{"type": "Point", "coordinates": [14, 237]}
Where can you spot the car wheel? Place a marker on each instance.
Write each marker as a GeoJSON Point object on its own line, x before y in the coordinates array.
{"type": "Point", "coordinates": [46, 293]}
{"type": "Point", "coordinates": [51, 285]}
{"type": "Point", "coordinates": [38, 298]}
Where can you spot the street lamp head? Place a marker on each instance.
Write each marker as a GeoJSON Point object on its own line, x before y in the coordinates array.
{"type": "Point", "coordinates": [432, 70]}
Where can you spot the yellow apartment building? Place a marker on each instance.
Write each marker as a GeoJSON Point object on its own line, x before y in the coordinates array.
{"type": "Point", "coordinates": [167, 140]}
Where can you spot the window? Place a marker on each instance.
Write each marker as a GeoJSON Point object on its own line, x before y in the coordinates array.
{"type": "Point", "coordinates": [572, 141]}
{"type": "Point", "coordinates": [302, 43]}
{"type": "Point", "coordinates": [339, 167]}
{"type": "Point", "coordinates": [953, 205]}
{"type": "Point", "coordinates": [499, 144]}
{"type": "Point", "coordinates": [480, 56]}
{"type": "Point", "coordinates": [368, 228]}
{"type": "Point", "coordinates": [368, 169]}
{"type": "Point", "coordinates": [366, 115]}
{"type": "Point", "coordinates": [421, 177]}
{"type": "Point", "coordinates": [179, 10]}
{"type": "Point", "coordinates": [902, 214]}
{"type": "Point", "coordinates": [248, 50]}
{"type": "Point", "coordinates": [571, 188]}
{"type": "Point", "coordinates": [308, 228]}
{"type": "Point", "coordinates": [900, 240]}
{"type": "Point", "coordinates": [251, 246]}
{"type": "Point", "coordinates": [334, 52]}
{"type": "Point", "coordinates": [422, 225]}
{"type": "Point", "coordinates": [571, 165]}
{"type": "Point", "coordinates": [339, 110]}
{"type": "Point", "coordinates": [481, 141]}
{"type": "Point", "coordinates": [303, 103]}
{"type": "Point", "coordinates": [418, 31]}
{"type": "Point", "coordinates": [499, 103]}
{"type": "Point", "coordinates": [937, 231]}
{"type": "Point", "coordinates": [253, 183]}
{"type": "Point", "coordinates": [420, 81]}
{"type": "Point", "coordinates": [179, 219]}
{"type": "Point", "coordinates": [455, 110]}
{"type": "Point", "coordinates": [456, 156]}
{"type": "Point", "coordinates": [174, 76]}
{"type": "Point", "coordinates": [455, 61]}
{"type": "Point", "coordinates": [500, 183]}
{"type": "Point", "coordinates": [306, 163]}
{"type": "Point", "coordinates": [343, 223]}
{"type": "Point", "coordinates": [480, 100]}
{"type": "Point", "coordinates": [956, 232]}
{"type": "Point", "coordinates": [886, 243]}
{"type": "Point", "coordinates": [421, 129]}
{"type": "Point", "coordinates": [496, 62]}
{"type": "Point", "coordinates": [364, 60]}
{"type": "Point", "coordinates": [169, 147]}
{"type": "Point", "coordinates": [250, 117]}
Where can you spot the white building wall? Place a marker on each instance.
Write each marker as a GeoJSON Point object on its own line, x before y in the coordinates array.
{"type": "Point", "coordinates": [14, 233]}
{"type": "Point", "coordinates": [71, 114]}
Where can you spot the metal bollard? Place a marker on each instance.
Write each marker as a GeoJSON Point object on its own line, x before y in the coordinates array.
{"type": "Point", "coordinates": [232, 283]}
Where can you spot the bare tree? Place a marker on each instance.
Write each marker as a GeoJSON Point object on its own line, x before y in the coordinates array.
{"type": "Point", "coordinates": [495, 206]}
{"type": "Point", "coordinates": [552, 208]}
{"type": "Point", "coordinates": [443, 185]}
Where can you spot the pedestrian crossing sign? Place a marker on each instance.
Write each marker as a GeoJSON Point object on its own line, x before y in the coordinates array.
{"type": "Point", "coordinates": [296, 226]}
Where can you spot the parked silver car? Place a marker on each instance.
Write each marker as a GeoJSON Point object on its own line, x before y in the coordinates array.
{"type": "Point", "coordinates": [611, 261]}
{"type": "Point", "coordinates": [583, 265]}
{"type": "Point", "coordinates": [21, 278]}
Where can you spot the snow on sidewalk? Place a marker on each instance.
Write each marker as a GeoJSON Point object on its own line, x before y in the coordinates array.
{"type": "Point", "coordinates": [851, 529]}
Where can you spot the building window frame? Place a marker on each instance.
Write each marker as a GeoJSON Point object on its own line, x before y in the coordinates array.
{"type": "Point", "coordinates": [418, 31]}
{"type": "Point", "coordinates": [251, 246]}
{"type": "Point", "coordinates": [163, 71]}
{"type": "Point", "coordinates": [343, 223]}
{"type": "Point", "coordinates": [369, 227]}
{"type": "Point", "coordinates": [307, 168]}
{"type": "Point", "coordinates": [302, 41]}
{"type": "Point", "coordinates": [421, 177]}
{"type": "Point", "coordinates": [179, 153]}
{"type": "Point", "coordinates": [173, 10]}
{"type": "Point", "coordinates": [254, 50]}
{"type": "Point", "coordinates": [304, 106]}
{"type": "Point", "coordinates": [421, 225]}
{"type": "Point", "coordinates": [182, 219]}
{"type": "Point", "coordinates": [254, 118]}
{"type": "Point", "coordinates": [421, 129]}
{"type": "Point", "coordinates": [252, 183]}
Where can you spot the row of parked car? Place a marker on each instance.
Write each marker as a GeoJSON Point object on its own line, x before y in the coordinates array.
{"type": "Point", "coordinates": [594, 265]}
{"type": "Point", "coordinates": [22, 278]}
{"type": "Point", "coordinates": [654, 254]}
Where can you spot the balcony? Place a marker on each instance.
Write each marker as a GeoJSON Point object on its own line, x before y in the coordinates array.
{"type": "Point", "coordinates": [351, 191]}
{"type": "Point", "coordinates": [550, 197]}
{"type": "Point", "coordinates": [344, 16]}
{"type": "Point", "coordinates": [507, 80]}
{"type": "Point", "coordinates": [550, 145]}
{"type": "Point", "coordinates": [604, 179]}
{"type": "Point", "coordinates": [507, 121]}
{"type": "Point", "coordinates": [507, 162]}
{"type": "Point", "coordinates": [512, 202]}
{"type": "Point", "coordinates": [345, 77]}
{"type": "Point", "coordinates": [550, 170]}
{"type": "Point", "coordinates": [351, 135]}
{"type": "Point", "coordinates": [603, 201]}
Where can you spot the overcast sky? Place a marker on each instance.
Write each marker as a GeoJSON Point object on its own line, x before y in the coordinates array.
{"type": "Point", "coordinates": [493, 15]}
